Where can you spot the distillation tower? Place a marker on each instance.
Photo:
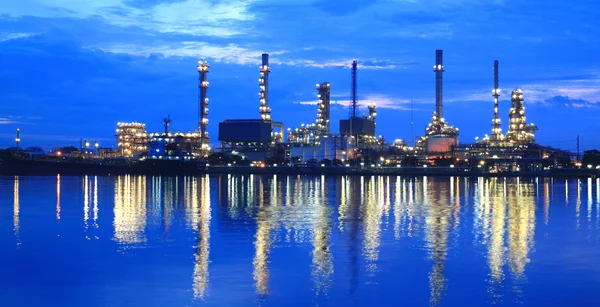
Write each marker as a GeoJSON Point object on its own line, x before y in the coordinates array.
{"type": "Point", "coordinates": [496, 138]}
{"type": "Point", "coordinates": [311, 134]}
{"type": "Point", "coordinates": [203, 108]}
{"type": "Point", "coordinates": [439, 136]}
{"type": "Point", "coordinates": [519, 131]}
{"type": "Point", "coordinates": [263, 94]}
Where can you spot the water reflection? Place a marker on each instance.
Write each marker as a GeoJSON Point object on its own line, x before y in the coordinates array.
{"type": "Point", "coordinates": [200, 276]}
{"type": "Point", "coordinates": [130, 209]}
{"type": "Point", "coordinates": [349, 225]}
{"type": "Point", "coordinates": [16, 210]}
{"type": "Point", "coordinates": [322, 260]}
{"type": "Point", "coordinates": [58, 198]}
{"type": "Point", "coordinates": [437, 224]}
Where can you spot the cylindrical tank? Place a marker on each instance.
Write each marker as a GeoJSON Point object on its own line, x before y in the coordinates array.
{"type": "Point", "coordinates": [441, 143]}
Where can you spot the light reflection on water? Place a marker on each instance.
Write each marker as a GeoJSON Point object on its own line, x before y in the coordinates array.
{"type": "Point", "coordinates": [352, 231]}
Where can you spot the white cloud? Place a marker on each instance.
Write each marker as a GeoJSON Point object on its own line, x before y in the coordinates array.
{"type": "Point", "coordinates": [229, 53]}
{"type": "Point", "coordinates": [196, 17]}
{"type": "Point", "coordinates": [7, 121]}
{"type": "Point", "coordinates": [6, 36]}
{"type": "Point", "coordinates": [381, 101]}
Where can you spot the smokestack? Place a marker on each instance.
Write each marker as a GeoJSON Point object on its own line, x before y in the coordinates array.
{"type": "Point", "coordinates": [439, 70]}
{"type": "Point", "coordinates": [265, 111]}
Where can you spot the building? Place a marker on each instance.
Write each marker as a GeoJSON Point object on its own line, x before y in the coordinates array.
{"type": "Point", "coordinates": [310, 134]}
{"type": "Point", "coordinates": [174, 146]}
{"type": "Point", "coordinates": [331, 147]}
{"type": "Point", "coordinates": [132, 139]}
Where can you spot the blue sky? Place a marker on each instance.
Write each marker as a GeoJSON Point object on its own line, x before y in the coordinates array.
{"type": "Point", "coordinates": [73, 69]}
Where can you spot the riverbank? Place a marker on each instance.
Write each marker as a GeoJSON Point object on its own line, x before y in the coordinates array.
{"type": "Point", "coordinates": [16, 165]}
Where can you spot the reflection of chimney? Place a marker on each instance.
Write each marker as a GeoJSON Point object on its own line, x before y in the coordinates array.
{"type": "Point", "coordinates": [439, 70]}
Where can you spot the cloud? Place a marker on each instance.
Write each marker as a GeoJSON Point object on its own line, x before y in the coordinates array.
{"type": "Point", "coordinates": [197, 17]}
{"type": "Point", "coordinates": [566, 101]}
{"type": "Point", "coordinates": [7, 121]}
{"type": "Point", "coordinates": [230, 53]}
{"type": "Point", "coordinates": [6, 36]}
{"type": "Point", "coordinates": [381, 101]}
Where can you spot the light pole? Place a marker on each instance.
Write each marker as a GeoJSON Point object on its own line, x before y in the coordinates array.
{"type": "Point", "coordinates": [85, 149]}
{"type": "Point", "coordinates": [96, 147]}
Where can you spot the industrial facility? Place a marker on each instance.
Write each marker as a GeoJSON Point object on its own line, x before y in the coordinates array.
{"type": "Point", "coordinates": [439, 138]}
{"type": "Point", "coordinates": [262, 139]}
{"type": "Point", "coordinates": [133, 141]}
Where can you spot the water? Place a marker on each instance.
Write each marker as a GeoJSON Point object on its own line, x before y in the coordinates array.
{"type": "Point", "coordinates": [298, 241]}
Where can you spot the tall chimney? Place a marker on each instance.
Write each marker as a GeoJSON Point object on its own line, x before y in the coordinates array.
{"type": "Point", "coordinates": [439, 70]}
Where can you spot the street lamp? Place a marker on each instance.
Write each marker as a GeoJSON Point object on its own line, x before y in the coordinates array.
{"type": "Point", "coordinates": [96, 146]}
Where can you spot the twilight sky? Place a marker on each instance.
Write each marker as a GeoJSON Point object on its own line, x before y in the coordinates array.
{"type": "Point", "coordinates": [72, 69]}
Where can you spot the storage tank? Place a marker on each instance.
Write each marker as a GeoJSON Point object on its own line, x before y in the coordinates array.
{"type": "Point", "coordinates": [441, 143]}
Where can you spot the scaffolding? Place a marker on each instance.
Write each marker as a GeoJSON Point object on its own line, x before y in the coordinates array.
{"type": "Point", "coordinates": [519, 131]}
{"type": "Point", "coordinates": [132, 139]}
{"type": "Point", "coordinates": [311, 134]}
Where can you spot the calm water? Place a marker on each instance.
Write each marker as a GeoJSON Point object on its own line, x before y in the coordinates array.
{"type": "Point", "coordinates": [296, 241]}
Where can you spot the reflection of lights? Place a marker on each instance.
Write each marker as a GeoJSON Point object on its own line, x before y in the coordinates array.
{"type": "Point", "coordinates": [95, 201]}
{"type": "Point", "coordinates": [322, 260]}
{"type": "Point", "coordinates": [86, 201]}
{"type": "Point", "coordinates": [263, 246]}
{"type": "Point", "coordinates": [130, 209]}
{"type": "Point", "coordinates": [202, 257]}
{"type": "Point", "coordinates": [58, 197]}
{"type": "Point", "coordinates": [436, 227]}
{"type": "Point", "coordinates": [372, 222]}
{"type": "Point", "coordinates": [16, 209]}
{"type": "Point", "coordinates": [496, 243]}
{"type": "Point", "coordinates": [521, 224]}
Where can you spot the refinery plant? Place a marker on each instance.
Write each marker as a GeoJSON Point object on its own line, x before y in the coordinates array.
{"type": "Point", "coordinates": [261, 141]}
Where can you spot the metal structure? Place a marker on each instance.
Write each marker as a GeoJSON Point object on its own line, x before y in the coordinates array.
{"type": "Point", "coordinates": [361, 128]}
{"type": "Point", "coordinates": [354, 101]}
{"type": "Point", "coordinates": [323, 112]}
{"type": "Point", "coordinates": [132, 139]}
{"type": "Point", "coordinates": [167, 121]}
{"type": "Point", "coordinates": [203, 69]}
{"type": "Point", "coordinates": [265, 111]}
{"type": "Point", "coordinates": [18, 138]}
{"type": "Point", "coordinates": [311, 134]}
{"type": "Point", "coordinates": [439, 71]}
{"type": "Point", "coordinates": [439, 136]}
{"type": "Point", "coordinates": [496, 136]}
{"type": "Point", "coordinates": [519, 131]}
{"type": "Point", "coordinates": [372, 113]}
